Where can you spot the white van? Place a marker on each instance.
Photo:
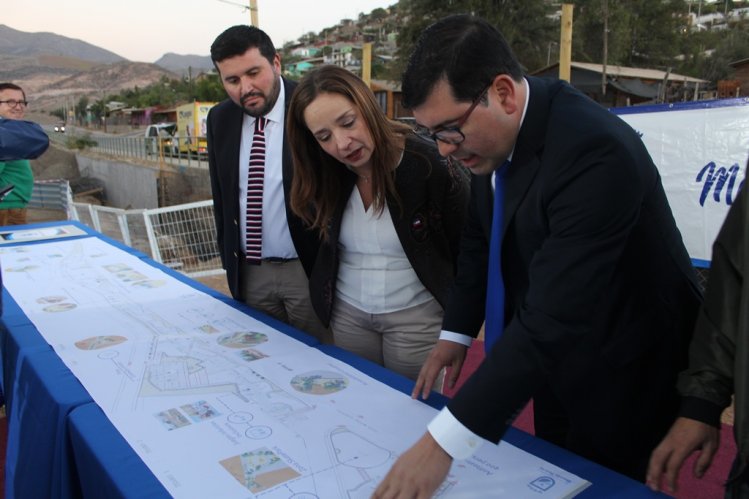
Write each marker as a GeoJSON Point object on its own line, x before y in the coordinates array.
{"type": "Point", "coordinates": [162, 135]}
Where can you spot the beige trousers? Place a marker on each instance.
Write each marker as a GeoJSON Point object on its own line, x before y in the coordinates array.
{"type": "Point", "coordinates": [281, 290]}
{"type": "Point", "coordinates": [400, 341]}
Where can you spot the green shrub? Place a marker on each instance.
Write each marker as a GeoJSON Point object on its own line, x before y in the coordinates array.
{"type": "Point", "coordinates": [80, 141]}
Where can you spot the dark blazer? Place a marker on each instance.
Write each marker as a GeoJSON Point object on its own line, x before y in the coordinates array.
{"type": "Point", "coordinates": [428, 221]}
{"type": "Point", "coordinates": [600, 292]}
{"type": "Point", "coordinates": [224, 134]}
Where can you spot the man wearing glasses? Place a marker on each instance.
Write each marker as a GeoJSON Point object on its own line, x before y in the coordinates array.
{"type": "Point", "coordinates": [15, 172]}
{"type": "Point", "coordinates": [599, 297]}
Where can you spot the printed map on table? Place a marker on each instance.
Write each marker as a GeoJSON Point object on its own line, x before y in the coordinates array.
{"type": "Point", "coordinates": [219, 404]}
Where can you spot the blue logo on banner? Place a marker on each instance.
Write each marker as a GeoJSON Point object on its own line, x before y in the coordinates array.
{"type": "Point", "coordinates": [715, 179]}
{"type": "Point", "coordinates": [542, 483]}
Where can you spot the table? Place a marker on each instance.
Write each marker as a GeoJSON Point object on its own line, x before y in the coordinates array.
{"type": "Point", "coordinates": [61, 444]}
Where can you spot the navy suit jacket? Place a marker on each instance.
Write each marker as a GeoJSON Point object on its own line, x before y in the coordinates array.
{"type": "Point", "coordinates": [224, 135]}
{"type": "Point", "coordinates": [601, 296]}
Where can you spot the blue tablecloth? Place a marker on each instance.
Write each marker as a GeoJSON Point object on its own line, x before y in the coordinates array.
{"type": "Point", "coordinates": [38, 456]}
{"type": "Point", "coordinates": [61, 444]}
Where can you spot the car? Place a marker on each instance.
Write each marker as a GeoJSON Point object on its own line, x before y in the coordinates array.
{"type": "Point", "coordinates": [60, 128]}
{"type": "Point", "coordinates": [161, 137]}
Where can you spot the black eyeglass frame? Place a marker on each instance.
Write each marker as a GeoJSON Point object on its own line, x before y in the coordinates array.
{"type": "Point", "coordinates": [455, 129]}
{"type": "Point", "coordinates": [15, 103]}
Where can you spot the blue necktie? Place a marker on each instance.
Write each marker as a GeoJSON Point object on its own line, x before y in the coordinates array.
{"type": "Point", "coordinates": [495, 288]}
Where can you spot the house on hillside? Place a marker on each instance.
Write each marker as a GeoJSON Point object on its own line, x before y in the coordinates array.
{"type": "Point", "coordinates": [741, 75]}
{"type": "Point", "coordinates": [627, 86]}
{"type": "Point", "coordinates": [297, 69]}
{"type": "Point", "coordinates": [306, 51]}
{"type": "Point", "coordinates": [388, 95]}
{"type": "Point", "coordinates": [343, 54]}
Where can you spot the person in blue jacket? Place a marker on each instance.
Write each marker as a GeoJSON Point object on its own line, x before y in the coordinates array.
{"type": "Point", "coordinates": [15, 171]}
{"type": "Point", "coordinates": [20, 140]}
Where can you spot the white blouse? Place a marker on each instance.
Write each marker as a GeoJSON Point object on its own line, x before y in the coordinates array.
{"type": "Point", "coordinates": [374, 274]}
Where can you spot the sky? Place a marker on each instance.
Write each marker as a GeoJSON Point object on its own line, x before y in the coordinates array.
{"type": "Point", "coordinates": [144, 30]}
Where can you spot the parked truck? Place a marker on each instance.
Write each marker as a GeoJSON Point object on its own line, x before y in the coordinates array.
{"type": "Point", "coordinates": [191, 127]}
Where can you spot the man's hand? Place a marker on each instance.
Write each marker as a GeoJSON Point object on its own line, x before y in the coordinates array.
{"type": "Point", "coordinates": [417, 473]}
{"type": "Point", "coordinates": [685, 436]}
{"type": "Point", "coordinates": [445, 353]}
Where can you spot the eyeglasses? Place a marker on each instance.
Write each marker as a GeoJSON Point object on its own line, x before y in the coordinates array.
{"type": "Point", "coordinates": [451, 134]}
{"type": "Point", "coordinates": [15, 103]}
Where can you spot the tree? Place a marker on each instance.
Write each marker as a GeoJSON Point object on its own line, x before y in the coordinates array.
{"type": "Point", "coordinates": [58, 113]}
{"type": "Point", "coordinates": [378, 14]}
{"type": "Point", "coordinates": [98, 109]}
{"type": "Point", "coordinates": [80, 109]}
{"type": "Point", "coordinates": [641, 33]}
{"type": "Point", "coordinates": [733, 46]}
{"type": "Point", "coordinates": [524, 23]}
{"type": "Point", "coordinates": [209, 89]}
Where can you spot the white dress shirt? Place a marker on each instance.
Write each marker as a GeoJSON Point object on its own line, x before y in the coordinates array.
{"type": "Point", "coordinates": [277, 240]}
{"type": "Point", "coordinates": [374, 274]}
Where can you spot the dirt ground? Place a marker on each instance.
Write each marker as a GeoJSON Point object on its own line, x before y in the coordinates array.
{"type": "Point", "coordinates": [217, 282]}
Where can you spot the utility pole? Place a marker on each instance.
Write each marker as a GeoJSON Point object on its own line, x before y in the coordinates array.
{"type": "Point", "coordinates": [253, 14]}
{"type": "Point", "coordinates": [565, 42]}
{"type": "Point", "coordinates": [366, 66]}
{"type": "Point", "coordinates": [251, 6]}
{"type": "Point", "coordinates": [605, 44]}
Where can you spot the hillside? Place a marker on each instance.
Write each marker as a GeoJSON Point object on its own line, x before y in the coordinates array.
{"type": "Point", "coordinates": [183, 64]}
{"type": "Point", "coordinates": [23, 44]}
{"type": "Point", "coordinates": [56, 71]}
{"type": "Point", "coordinates": [95, 83]}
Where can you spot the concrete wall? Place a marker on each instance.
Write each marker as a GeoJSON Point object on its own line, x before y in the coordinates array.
{"type": "Point", "coordinates": [133, 186]}
{"type": "Point", "coordinates": [127, 185]}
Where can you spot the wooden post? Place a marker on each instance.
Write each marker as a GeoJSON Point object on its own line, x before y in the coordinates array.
{"type": "Point", "coordinates": [366, 64]}
{"type": "Point", "coordinates": [565, 42]}
{"type": "Point", "coordinates": [605, 45]}
{"type": "Point", "coordinates": [253, 13]}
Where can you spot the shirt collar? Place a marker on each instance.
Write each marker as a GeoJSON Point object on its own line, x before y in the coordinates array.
{"type": "Point", "coordinates": [277, 113]}
{"type": "Point", "coordinates": [525, 110]}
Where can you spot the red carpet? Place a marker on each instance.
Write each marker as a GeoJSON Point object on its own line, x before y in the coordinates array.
{"type": "Point", "coordinates": [3, 443]}
{"type": "Point", "coordinates": [709, 487]}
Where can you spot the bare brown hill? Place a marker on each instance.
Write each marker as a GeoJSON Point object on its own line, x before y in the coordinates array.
{"type": "Point", "coordinates": [112, 78]}
{"type": "Point", "coordinates": [52, 82]}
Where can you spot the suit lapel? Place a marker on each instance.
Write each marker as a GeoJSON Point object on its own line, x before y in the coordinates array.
{"type": "Point", "coordinates": [528, 149]}
{"type": "Point", "coordinates": [287, 163]}
{"type": "Point", "coordinates": [234, 141]}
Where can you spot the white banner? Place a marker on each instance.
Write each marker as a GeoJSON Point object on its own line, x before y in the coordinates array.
{"type": "Point", "coordinates": [701, 150]}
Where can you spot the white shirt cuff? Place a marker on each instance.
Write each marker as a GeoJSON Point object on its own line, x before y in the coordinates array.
{"type": "Point", "coordinates": [453, 437]}
{"type": "Point", "coordinates": [463, 339]}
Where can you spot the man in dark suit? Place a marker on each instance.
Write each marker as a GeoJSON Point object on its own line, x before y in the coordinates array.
{"type": "Point", "coordinates": [600, 295]}
{"type": "Point", "coordinates": [270, 273]}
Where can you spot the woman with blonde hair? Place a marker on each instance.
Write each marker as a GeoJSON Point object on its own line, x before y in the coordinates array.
{"type": "Point", "coordinates": [389, 210]}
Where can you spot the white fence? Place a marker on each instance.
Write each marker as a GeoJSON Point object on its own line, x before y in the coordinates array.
{"type": "Point", "coordinates": [182, 237]}
{"type": "Point", "coordinates": [51, 195]}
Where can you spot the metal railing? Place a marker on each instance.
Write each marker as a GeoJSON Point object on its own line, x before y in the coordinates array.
{"type": "Point", "coordinates": [51, 195]}
{"type": "Point", "coordinates": [176, 152]}
{"type": "Point", "coordinates": [182, 237]}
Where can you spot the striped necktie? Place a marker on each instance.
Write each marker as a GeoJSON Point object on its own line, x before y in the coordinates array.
{"type": "Point", "coordinates": [495, 289]}
{"type": "Point", "coordinates": [255, 177]}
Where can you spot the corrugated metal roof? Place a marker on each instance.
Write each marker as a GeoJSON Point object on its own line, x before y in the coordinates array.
{"type": "Point", "coordinates": [642, 73]}
{"type": "Point", "coordinates": [615, 71]}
